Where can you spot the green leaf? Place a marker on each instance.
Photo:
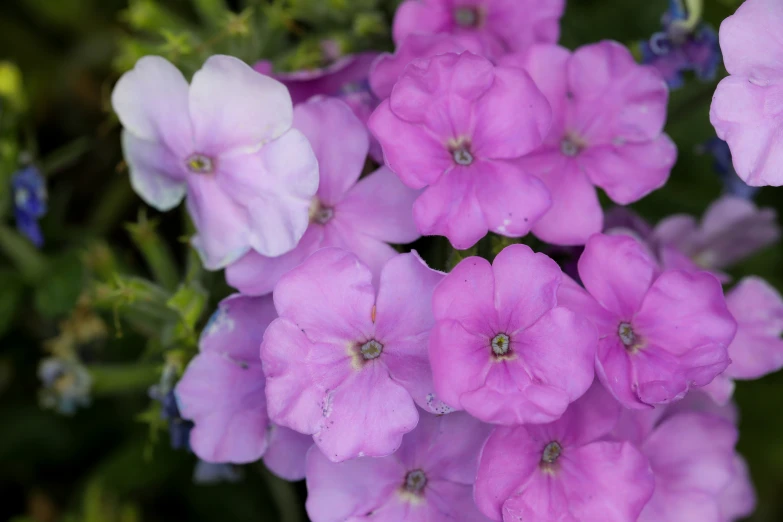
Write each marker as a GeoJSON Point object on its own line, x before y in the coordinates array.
{"type": "Point", "coordinates": [61, 287]}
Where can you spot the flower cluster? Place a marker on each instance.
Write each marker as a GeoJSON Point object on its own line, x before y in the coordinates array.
{"type": "Point", "coordinates": [507, 388]}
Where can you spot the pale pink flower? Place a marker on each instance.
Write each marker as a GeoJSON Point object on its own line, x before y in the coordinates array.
{"type": "Point", "coordinates": [226, 141]}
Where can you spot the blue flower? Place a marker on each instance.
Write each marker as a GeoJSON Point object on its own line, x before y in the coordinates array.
{"type": "Point", "coordinates": [682, 46]}
{"type": "Point", "coordinates": [29, 192]}
{"type": "Point", "coordinates": [722, 163]}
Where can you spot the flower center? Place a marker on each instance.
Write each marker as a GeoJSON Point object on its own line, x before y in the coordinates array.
{"type": "Point", "coordinates": [372, 349]}
{"type": "Point", "coordinates": [501, 343]}
{"type": "Point", "coordinates": [462, 156]}
{"type": "Point", "coordinates": [570, 147]}
{"type": "Point", "coordinates": [466, 16]}
{"type": "Point", "coordinates": [551, 453]}
{"type": "Point", "coordinates": [319, 213]}
{"type": "Point", "coordinates": [415, 481]}
{"type": "Point", "coordinates": [200, 164]}
{"type": "Point", "coordinates": [660, 44]}
{"type": "Point", "coordinates": [627, 335]}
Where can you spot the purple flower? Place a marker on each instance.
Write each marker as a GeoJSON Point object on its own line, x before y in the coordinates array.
{"type": "Point", "coordinates": [429, 478]}
{"type": "Point", "coordinates": [681, 47]}
{"type": "Point", "coordinates": [345, 363]}
{"type": "Point", "coordinates": [501, 348]}
{"type": "Point", "coordinates": [608, 116]}
{"type": "Point", "coordinates": [358, 215]}
{"type": "Point", "coordinates": [500, 26]}
{"type": "Point", "coordinates": [446, 127]}
{"type": "Point", "coordinates": [745, 108]}
{"type": "Point", "coordinates": [660, 333]}
{"type": "Point", "coordinates": [28, 188]}
{"type": "Point", "coordinates": [226, 141]}
{"type": "Point", "coordinates": [222, 392]}
{"type": "Point", "coordinates": [566, 471]}
{"type": "Point", "coordinates": [731, 229]}
{"type": "Point", "coordinates": [757, 349]}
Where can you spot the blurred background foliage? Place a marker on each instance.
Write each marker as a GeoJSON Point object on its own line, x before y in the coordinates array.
{"type": "Point", "coordinates": [113, 302]}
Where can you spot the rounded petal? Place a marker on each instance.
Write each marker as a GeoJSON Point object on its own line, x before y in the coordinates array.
{"type": "Point", "coordinates": [286, 452]}
{"type": "Point", "coordinates": [371, 399]}
{"type": "Point", "coordinates": [403, 321]}
{"type": "Point", "coordinates": [745, 115]}
{"type": "Point", "coordinates": [513, 92]}
{"type": "Point", "coordinates": [381, 206]}
{"type": "Point", "coordinates": [236, 328]}
{"type": "Point", "coordinates": [607, 482]}
{"type": "Point", "coordinates": [738, 500]}
{"type": "Point", "coordinates": [274, 186]}
{"type": "Point", "coordinates": [225, 399]}
{"type": "Point", "coordinates": [460, 361]}
{"type": "Point", "coordinates": [467, 295]}
{"type": "Point", "coordinates": [615, 99]}
{"type": "Point", "coordinates": [254, 274]}
{"type": "Point", "coordinates": [409, 150]}
{"type": "Point", "coordinates": [340, 142]}
{"type": "Point", "coordinates": [151, 101]}
{"type": "Point", "coordinates": [576, 213]}
{"type": "Point", "coordinates": [337, 492]}
{"type": "Point", "coordinates": [155, 173]}
{"type": "Point", "coordinates": [339, 296]}
{"type": "Point", "coordinates": [414, 16]}
{"type": "Point", "coordinates": [234, 107]}
{"type": "Point", "coordinates": [757, 348]}
{"type": "Point", "coordinates": [631, 171]}
{"type": "Point", "coordinates": [451, 208]}
{"type": "Point", "coordinates": [511, 200]}
{"type": "Point", "coordinates": [526, 286]}
{"type": "Point", "coordinates": [617, 271]}
{"type": "Point", "coordinates": [748, 43]}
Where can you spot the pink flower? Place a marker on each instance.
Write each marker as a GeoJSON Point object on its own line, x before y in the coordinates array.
{"type": "Point", "coordinates": [446, 127]}
{"type": "Point", "coordinates": [357, 215]}
{"type": "Point", "coordinates": [691, 476]}
{"type": "Point", "coordinates": [660, 333]}
{"type": "Point", "coordinates": [501, 348]}
{"type": "Point", "coordinates": [344, 363]}
{"type": "Point", "coordinates": [430, 478]}
{"type": "Point", "coordinates": [226, 141]}
{"type": "Point", "coordinates": [608, 116]}
{"type": "Point", "coordinates": [738, 500]}
{"type": "Point", "coordinates": [746, 111]}
{"type": "Point", "coordinates": [566, 471]}
{"type": "Point", "coordinates": [388, 68]}
{"type": "Point", "coordinates": [222, 392]}
{"type": "Point", "coordinates": [757, 349]}
{"type": "Point", "coordinates": [501, 26]}
{"type": "Point", "coordinates": [731, 229]}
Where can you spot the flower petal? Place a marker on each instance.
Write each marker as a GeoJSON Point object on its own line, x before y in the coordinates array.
{"type": "Point", "coordinates": [155, 173]}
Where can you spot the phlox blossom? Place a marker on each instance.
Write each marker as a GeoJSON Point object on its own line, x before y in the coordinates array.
{"type": "Point", "coordinates": [226, 141]}
{"type": "Point", "coordinates": [222, 392]}
{"type": "Point", "coordinates": [346, 362]}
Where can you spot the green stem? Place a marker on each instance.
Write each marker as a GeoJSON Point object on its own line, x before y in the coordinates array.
{"type": "Point", "coordinates": [30, 262]}
{"type": "Point", "coordinates": [284, 494]}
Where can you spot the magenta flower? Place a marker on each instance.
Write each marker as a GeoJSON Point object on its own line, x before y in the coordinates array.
{"type": "Point", "coordinates": [757, 349]}
{"type": "Point", "coordinates": [501, 348]}
{"type": "Point", "coordinates": [731, 230]}
{"type": "Point", "coordinates": [745, 108]}
{"type": "Point", "coordinates": [222, 392]}
{"type": "Point", "coordinates": [566, 471]}
{"type": "Point", "coordinates": [691, 476]}
{"type": "Point", "coordinates": [358, 215]}
{"type": "Point", "coordinates": [738, 500]}
{"type": "Point", "coordinates": [608, 116]}
{"type": "Point", "coordinates": [388, 68]}
{"type": "Point", "coordinates": [501, 26]}
{"type": "Point", "coordinates": [430, 478]}
{"type": "Point", "coordinates": [446, 127]}
{"type": "Point", "coordinates": [344, 363]}
{"type": "Point", "coordinates": [226, 141]}
{"type": "Point", "coordinates": [660, 333]}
